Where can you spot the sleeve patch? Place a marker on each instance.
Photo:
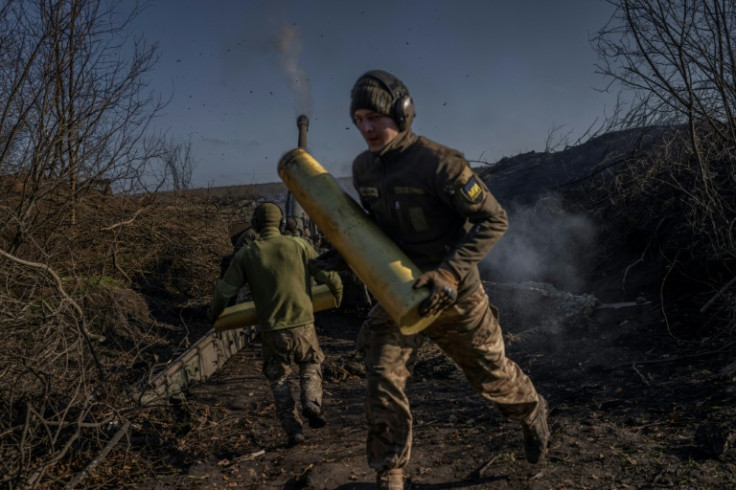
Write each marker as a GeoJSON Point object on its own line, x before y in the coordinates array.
{"type": "Point", "coordinates": [472, 191]}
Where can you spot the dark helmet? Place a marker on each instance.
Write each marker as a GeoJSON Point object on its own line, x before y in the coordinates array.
{"type": "Point", "coordinates": [381, 92]}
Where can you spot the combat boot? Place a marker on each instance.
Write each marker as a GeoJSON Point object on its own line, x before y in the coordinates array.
{"type": "Point", "coordinates": [295, 437]}
{"type": "Point", "coordinates": [392, 479]}
{"type": "Point", "coordinates": [293, 429]}
{"type": "Point", "coordinates": [315, 415]}
{"type": "Point", "coordinates": [536, 433]}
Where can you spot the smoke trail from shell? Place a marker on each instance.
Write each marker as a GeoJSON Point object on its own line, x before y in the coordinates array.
{"type": "Point", "coordinates": [290, 47]}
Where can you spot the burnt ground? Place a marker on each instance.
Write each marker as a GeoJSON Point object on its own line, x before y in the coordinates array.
{"type": "Point", "coordinates": [631, 406]}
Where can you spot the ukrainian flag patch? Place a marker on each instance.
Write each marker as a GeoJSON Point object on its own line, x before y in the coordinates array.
{"type": "Point", "coordinates": [472, 191]}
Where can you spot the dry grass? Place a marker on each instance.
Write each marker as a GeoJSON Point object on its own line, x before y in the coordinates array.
{"type": "Point", "coordinates": [88, 312]}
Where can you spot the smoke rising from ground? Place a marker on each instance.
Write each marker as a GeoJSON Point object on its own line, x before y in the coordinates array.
{"type": "Point", "coordinates": [544, 243]}
{"type": "Point", "coordinates": [290, 47]}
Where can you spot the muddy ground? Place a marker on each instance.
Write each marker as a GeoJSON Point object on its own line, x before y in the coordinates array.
{"type": "Point", "coordinates": [632, 405]}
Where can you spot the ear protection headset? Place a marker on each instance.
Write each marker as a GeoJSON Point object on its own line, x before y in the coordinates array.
{"type": "Point", "coordinates": [402, 109]}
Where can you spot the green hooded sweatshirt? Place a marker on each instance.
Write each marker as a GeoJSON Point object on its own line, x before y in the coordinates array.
{"type": "Point", "coordinates": [277, 268]}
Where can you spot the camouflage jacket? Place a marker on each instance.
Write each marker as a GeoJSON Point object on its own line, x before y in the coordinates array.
{"type": "Point", "coordinates": [279, 274]}
{"type": "Point", "coordinates": [427, 199]}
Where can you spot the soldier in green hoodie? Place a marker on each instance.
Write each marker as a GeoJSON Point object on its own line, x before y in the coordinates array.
{"type": "Point", "coordinates": [278, 271]}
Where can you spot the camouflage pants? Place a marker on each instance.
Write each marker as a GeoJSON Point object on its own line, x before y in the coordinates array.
{"type": "Point", "coordinates": [279, 347]}
{"type": "Point", "coordinates": [469, 332]}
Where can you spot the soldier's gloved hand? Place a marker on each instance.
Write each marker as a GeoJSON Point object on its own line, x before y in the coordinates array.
{"type": "Point", "coordinates": [443, 292]}
{"type": "Point", "coordinates": [330, 261]}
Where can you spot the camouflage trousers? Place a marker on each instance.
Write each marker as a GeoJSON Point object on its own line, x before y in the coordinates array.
{"type": "Point", "coordinates": [469, 332]}
{"type": "Point", "coordinates": [279, 348]}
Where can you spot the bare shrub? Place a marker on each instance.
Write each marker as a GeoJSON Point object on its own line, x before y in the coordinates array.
{"type": "Point", "coordinates": [177, 164]}
{"type": "Point", "coordinates": [677, 60]}
{"type": "Point", "coordinates": [76, 335]}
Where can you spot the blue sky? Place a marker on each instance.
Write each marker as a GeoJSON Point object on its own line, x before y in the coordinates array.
{"type": "Point", "coordinates": [491, 78]}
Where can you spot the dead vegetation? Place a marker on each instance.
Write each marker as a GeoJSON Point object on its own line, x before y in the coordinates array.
{"type": "Point", "coordinates": [677, 61]}
{"type": "Point", "coordinates": [84, 325]}
{"type": "Point", "coordinates": [661, 233]}
{"type": "Point", "coordinates": [96, 288]}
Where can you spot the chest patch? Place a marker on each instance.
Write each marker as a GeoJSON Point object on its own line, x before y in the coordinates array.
{"type": "Point", "coordinates": [369, 192]}
{"type": "Point", "coordinates": [472, 191]}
